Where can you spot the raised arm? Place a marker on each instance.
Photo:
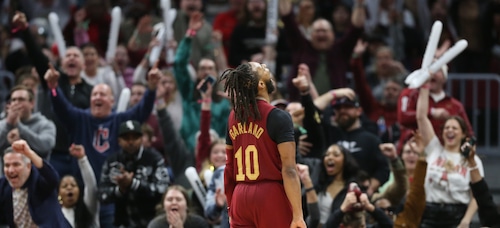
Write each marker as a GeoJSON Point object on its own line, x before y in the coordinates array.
{"type": "Point", "coordinates": [90, 192]}
{"type": "Point", "coordinates": [424, 124]}
{"type": "Point", "coordinates": [49, 179]}
{"type": "Point", "coordinates": [203, 144]}
{"type": "Point", "coordinates": [34, 51]}
{"type": "Point", "coordinates": [292, 31]}
{"type": "Point", "coordinates": [182, 55]}
{"type": "Point", "coordinates": [176, 151]}
{"type": "Point", "coordinates": [312, 120]}
{"type": "Point", "coordinates": [143, 109]}
{"type": "Point", "coordinates": [311, 197]}
{"type": "Point", "coordinates": [64, 110]}
{"type": "Point", "coordinates": [366, 98]}
{"type": "Point", "coordinates": [415, 201]}
{"type": "Point", "coordinates": [397, 190]}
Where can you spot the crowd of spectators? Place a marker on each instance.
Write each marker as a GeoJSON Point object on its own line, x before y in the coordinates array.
{"type": "Point", "coordinates": [66, 148]}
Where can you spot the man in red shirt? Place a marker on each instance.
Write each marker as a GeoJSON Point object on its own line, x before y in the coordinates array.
{"type": "Point", "coordinates": [441, 106]}
{"type": "Point", "coordinates": [260, 170]}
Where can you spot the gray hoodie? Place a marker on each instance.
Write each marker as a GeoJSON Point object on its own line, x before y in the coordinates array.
{"type": "Point", "coordinates": [38, 131]}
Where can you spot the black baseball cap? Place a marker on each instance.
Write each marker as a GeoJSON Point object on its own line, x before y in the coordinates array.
{"type": "Point", "coordinates": [129, 126]}
{"type": "Point", "coordinates": [344, 101]}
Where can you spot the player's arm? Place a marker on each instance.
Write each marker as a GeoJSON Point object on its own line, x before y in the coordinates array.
{"type": "Point", "coordinates": [291, 180]}
{"type": "Point", "coordinates": [280, 128]}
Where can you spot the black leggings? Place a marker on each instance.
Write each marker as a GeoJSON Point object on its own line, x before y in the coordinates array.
{"type": "Point", "coordinates": [443, 215]}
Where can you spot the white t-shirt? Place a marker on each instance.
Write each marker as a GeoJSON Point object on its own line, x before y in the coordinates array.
{"type": "Point", "coordinates": [448, 176]}
{"type": "Point", "coordinates": [325, 203]}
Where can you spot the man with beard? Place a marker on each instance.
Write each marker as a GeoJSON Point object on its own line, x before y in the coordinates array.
{"type": "Point", "coordinates": [134, 179]}
{"type": "Point", "coordinates": [260, 169]}
{"type": "Point", "coordinates": [202, 38]}
{"type": "Point", "coordinates": [363, 145]}
{"type": "Point", "coordinates": [191, 99]}
{"type": "Point", "coordinates": [75, 89]}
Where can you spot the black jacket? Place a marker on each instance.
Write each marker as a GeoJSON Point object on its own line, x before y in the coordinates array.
{"type": "Point", "coordinates": [135, 207]}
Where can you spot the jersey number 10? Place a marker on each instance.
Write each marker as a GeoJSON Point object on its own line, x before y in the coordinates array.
{"type": "Point", "coordinates": [251, 157]}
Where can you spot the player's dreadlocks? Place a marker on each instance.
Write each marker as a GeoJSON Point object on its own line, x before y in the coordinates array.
{"type": "Point", "coordinates": [241, 86]}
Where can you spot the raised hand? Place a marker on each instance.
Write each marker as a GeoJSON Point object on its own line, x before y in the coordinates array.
{"type": "Point", "coordinates": [77, 151]}
{"type": "Point", "coordinates": [285, 7]}
{"type": "Point", "coordinates": [389, 150]}
{"type": "Point", "coordinates": [19, 21]}
{"type": "Point", "coordinates": [344, 92]}
{"type": "Point", "coordinates": [304, 70]}
{"type": "Point", "coordinates": [416, 143]}
{"type": "Point", "coordinates": [144, 25]}
{"type": "Point", "coordinates": [360, 47]}
{"type": "Point", "coordinates": [303, 171]}
{"type": "Point", "coordinates": [154, 76]}
{"type": "Point", "coordinates": [301, 83]}
{"type": "Point", "coordinates": [22, 147]}
{"type": "Point", "coordinates": [196, 21]}
{"type": "Point", "coordinates": [52, 77]}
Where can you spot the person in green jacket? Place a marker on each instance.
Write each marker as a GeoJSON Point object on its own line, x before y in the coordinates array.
{"type": "Point", "coordinates": [220, 107]}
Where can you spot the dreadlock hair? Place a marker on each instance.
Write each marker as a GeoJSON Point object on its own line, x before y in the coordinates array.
{"type": "Point", "coordinates": [241, 86]}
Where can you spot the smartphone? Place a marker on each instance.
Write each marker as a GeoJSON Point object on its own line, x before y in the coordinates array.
{"type": "Point", "coordinates": [465, 150]}
{"type": "Point", "coordinates": [208, 79]}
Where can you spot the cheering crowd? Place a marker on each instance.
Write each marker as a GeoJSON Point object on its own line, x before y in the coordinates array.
{"type": "Point", "coordinates": [370, 152]}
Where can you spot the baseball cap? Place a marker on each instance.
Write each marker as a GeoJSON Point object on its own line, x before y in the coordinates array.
{"type": "Point", "coordinates": [129, 126]}
{"type": "Point", "coordinates": [345, 101]}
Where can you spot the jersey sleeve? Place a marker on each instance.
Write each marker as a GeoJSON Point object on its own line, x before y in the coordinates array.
{"type": "Point", "coordinates": [280, 126]}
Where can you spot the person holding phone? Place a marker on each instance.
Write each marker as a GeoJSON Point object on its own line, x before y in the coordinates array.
{"type": "Point", "coordinates": [448, 195]}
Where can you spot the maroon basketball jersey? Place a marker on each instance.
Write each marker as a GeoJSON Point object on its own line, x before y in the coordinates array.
{"type": "Point", "coordinates": [256, 156]}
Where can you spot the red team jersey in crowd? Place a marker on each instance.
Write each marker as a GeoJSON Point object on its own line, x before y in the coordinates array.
{"type": "Point", "coordinates": [407, 106]}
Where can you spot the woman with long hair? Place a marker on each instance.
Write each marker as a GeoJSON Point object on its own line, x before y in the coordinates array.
{"type": "Point", "coordinates": [331, 182]}
{"type": "Point", "coordinates": [80, 208]}
{"type": "Point", "coordinates": [447, 192]}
